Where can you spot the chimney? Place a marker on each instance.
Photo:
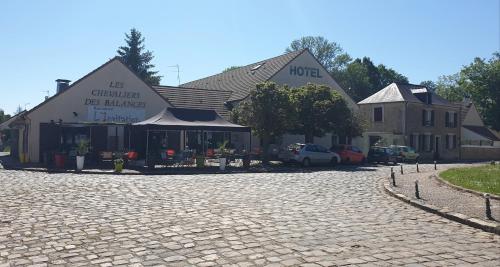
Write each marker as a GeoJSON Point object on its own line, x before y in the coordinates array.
{"type": "Point", "coordinates": [62, 85]}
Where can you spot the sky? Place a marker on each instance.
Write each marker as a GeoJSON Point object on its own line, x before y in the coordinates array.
{"type": "Point", "coordinates": [42, 41]}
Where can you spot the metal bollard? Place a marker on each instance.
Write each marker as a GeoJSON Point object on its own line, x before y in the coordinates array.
{"type": "Point", "coordinates": [417, 167]}
{"type": "Point", "coordinates": [435, 166]}
{"type": "Point", "coordinates": [488, 206]}
{"type": "Point", "coordinates": [417, 193]}
{"type": "Point", "coordinates": [393, 177]}
{"type": "Point", "coordinates": [401, 168]}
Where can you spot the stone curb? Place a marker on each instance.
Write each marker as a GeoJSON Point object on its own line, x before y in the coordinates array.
{"type": "Point", "coordinates": [454, 216]}
{"type": "Point", "coordinates": [459, 188]}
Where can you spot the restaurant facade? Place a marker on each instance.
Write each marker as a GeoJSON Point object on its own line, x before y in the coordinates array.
{"type": "Point", "coordinates": [103, 106]}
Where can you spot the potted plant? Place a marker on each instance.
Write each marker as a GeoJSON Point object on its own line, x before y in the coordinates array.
{"type": "Point", "coordinates": [81, 151]}
{"type": "Point", "coordinates": [118, 165]}
{"type": "Point", "coordinates": [200, 160]}
{"type": "Point", "coordinates": [223, 156]}
{"type": "Point", "coordinates": [59, 159]}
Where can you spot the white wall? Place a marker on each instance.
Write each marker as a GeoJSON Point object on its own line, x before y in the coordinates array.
{"type": "Point", "coordinates": [83, 99]}
{"type": "Point", "coordinates": [315, 73]}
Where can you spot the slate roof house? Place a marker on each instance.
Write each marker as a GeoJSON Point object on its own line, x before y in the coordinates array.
{"type": "Point", "coordinates": [412, 115]}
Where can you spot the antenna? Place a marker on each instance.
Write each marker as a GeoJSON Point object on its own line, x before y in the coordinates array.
{"type": "Point", "coordinates": [178, 72]}
{"type": "Point", "coordinates": [48, 94]}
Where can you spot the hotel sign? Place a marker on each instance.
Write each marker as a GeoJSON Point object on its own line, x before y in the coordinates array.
{"type": "Point", "coordinates": [111, 105]}
{"type": "Point", "coordinates": [305, 71]}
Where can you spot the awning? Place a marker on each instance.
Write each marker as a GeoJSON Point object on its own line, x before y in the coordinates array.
{"type": "Point", "coordinates": [190, 119]}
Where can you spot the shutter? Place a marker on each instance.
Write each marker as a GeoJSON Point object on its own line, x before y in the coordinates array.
{"type": "Point", "coordinates": [411, 140]}
{"type": "Point", "coordinates": [447, 141]}
{"type": "Point", "coordinates": [454, 141]}
{"type": "Point", "coordinates": [455, 120]}
{"type": "Point", "coordinates": [423, 117]}
{"type": "Point", "coordinates": [447, 120]}
{"type": "Point", "coordinates": [432, 118]}
{"type": "Point", "coordinates": [431, 142]}
{"type": "Point", "coordinates": [421, 142]}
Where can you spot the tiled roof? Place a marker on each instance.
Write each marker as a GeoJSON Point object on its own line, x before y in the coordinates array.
{"type": "Point", "coordinates": [195, 98]}
{"type": "Point", "coordinates": [242, 80]}
{"type": "Point", "coordinates": [482, 131]}
{"type": "Point", "coordinates": [397, 92]}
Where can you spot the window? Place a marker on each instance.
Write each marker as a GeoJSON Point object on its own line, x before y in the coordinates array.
{"type": "Point", "coordinates": [451, 119]}
{"type": "Point", "coordinates": [378, 114]}
{"type": "Point", "coordinates": [427, 117]}
{"type": "Point", "coordinates": [322, 149]}
{"type": "Point", "coordinates": [451, 141]}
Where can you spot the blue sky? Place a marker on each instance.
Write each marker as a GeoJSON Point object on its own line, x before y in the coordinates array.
{"type": "Point", "coordinates": [46, 40]}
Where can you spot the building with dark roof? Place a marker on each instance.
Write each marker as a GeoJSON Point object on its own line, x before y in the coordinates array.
{"type": "Point", "coordinates": [412, 115]}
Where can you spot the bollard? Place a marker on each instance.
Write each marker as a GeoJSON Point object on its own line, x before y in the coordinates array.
{"type": "Point", "coordinates": [435, 166]}
{"type": "Point", "coordinates": [488, 206]}
{"type": "Point", "coordinates": [393, 177]}
{"type": "Point", "coordinates": [417, 167]}
{"type": "Point", "coordinates": [417, 193]}
{"type": "Point", "coordinates": [401, 168]}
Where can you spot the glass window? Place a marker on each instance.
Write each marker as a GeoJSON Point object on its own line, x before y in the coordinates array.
{"type": "Point", "coordinates": [377, 114]}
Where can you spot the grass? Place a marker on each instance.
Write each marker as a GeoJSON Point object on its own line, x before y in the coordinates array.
{"type": "Point", "coordinates": [484, 178]}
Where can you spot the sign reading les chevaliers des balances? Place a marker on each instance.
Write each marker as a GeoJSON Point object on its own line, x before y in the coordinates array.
{"type": "Point", "coordinates": [114, 104]}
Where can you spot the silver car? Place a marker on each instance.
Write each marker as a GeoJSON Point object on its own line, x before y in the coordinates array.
{"type": "Point", "coordinates": [308, 154]}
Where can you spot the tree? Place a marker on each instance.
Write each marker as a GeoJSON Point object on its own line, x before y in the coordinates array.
{"type": "Point", "coordinates": [317, 109]}
{"type": "Point", "coordinates": [481, 80]}
{"type": "Point", "coordinates": [329, 54]}
{"type": "Point", "coordinates": [230, 68]}
{"type": "Point", "coordinates": [429, 85]}
{"type": "Point", "coordinates": [447, 86]}
{"type": "Point", "coordinates": [266, 111]}
{"type": "Point", "coordinates": [134, 56]}
{"type": "Point", "coordinates": [361, 78]}
{"type": "Point", "coordinates": [3, 116]}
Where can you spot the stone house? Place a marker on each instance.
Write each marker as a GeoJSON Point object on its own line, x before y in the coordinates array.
{"type": "Point", "coordinates": [412, 115]}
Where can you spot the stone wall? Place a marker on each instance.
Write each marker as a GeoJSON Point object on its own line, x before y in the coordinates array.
{"type": "Point", "coordinates": [480, 153]}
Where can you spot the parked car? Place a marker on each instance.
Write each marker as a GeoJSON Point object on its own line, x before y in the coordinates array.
{"type": "Point", "coordinates": [309, 154]}
{"type": "Point", "coordinates": [382, 154]}
{"type": "Point", "coordinates": [405, 153]}
{"type": "Point", "coordinates": [349, 154]}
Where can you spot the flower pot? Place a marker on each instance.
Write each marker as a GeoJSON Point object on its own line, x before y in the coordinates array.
{"type": "Point", "coordinates": [59, 159]}
{"type": "Point", "coordinates": [200, 161]}
{"type": "Point", "coordinates": [222, 164]}
{"type": "Point", "coordinates": [118, 167]}
{"type": "Point", "coordinates": [246, 161]}
{"type": "Point", "coordinates": [80, 160]}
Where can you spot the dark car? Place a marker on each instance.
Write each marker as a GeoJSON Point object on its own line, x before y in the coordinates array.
{"type": "Point", "coordinates": [382, 154]}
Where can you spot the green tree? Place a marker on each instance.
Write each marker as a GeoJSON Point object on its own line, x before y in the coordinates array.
{"type": "Point", "coordinates": [429, 85]}
{"type": "Point", "coordinates": [266, 111]}
{"type": "Point", "coordinates": [3, 116]}
{"type": "Point", "coordinates": [361, 78]}
{"type": "Point", "coordinates": [481, 80]}
{"type": "Point", "coordinates": [329, 54]}
{"type": "Point", "coordinates": [318, 110]}
{"type": "Point", "coordinates": [447, 86]}
{"type": "Point", "coordinates": [139, 60]}
{"type": "Point", "coordinates": [230, 68]}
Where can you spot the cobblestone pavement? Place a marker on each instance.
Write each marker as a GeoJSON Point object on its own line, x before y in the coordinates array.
{"type": "Point", "coordinates": [320, 218]}
{"type": "Point", "coordinates": [440, 195]}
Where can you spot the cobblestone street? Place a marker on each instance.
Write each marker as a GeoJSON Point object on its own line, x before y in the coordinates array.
{"type": "Point", "coordinates": [319, 218]}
